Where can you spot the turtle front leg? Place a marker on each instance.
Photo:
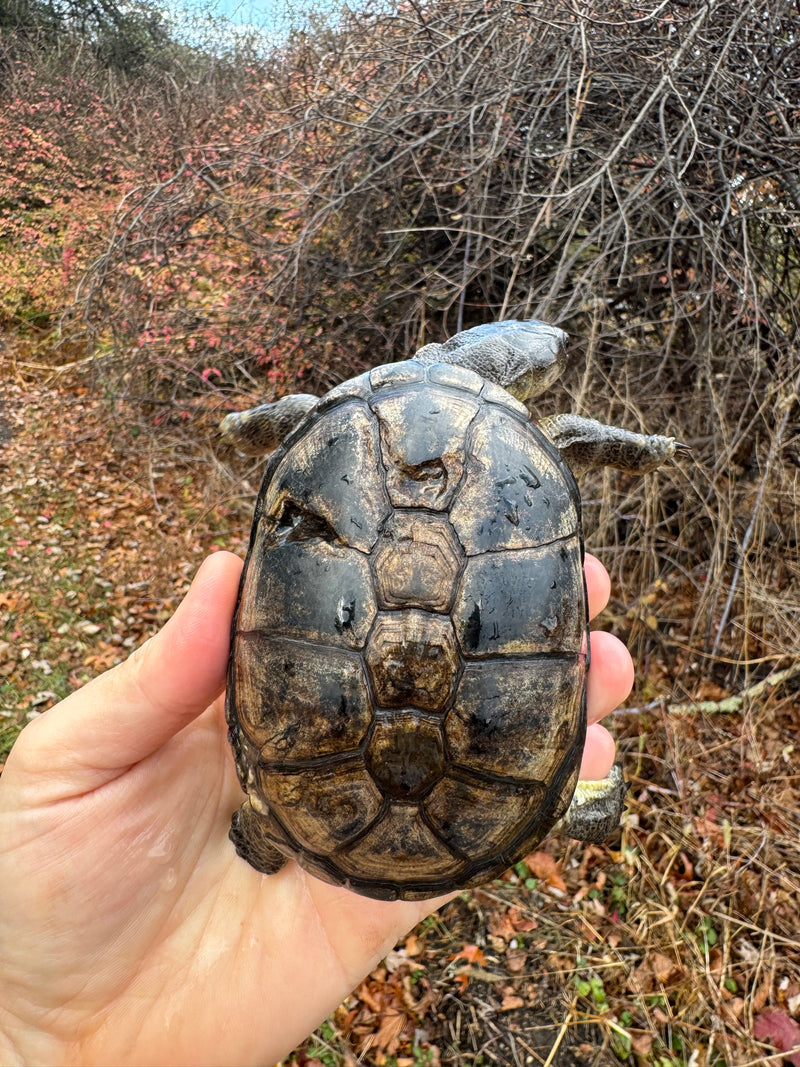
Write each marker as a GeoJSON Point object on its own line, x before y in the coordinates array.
{"type": "Point", "coordinates": [596, 808]}
{"type": "Point", "coordinates": [586, 443]}
{"type": "Point", "coordinates": [260, 430]}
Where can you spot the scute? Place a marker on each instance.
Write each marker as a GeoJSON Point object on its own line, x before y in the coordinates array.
{"type": "Point", "coordinates": [516, 493]}
{"type": "Point", "coordinates": [276, 598]}
{"type": "Point", "coordinates": [422, 443]}
{"type": "Point", "coordinates": [417, 853]}
{"type": "Point", "coordinates": [325, 809]}
{"type": "Point", "coordinates": [495, 394]}
{"type": "Point", "coordinates": [408, 372]}
{"type": "Point", "coordinates": [412, 660]}
{"type": "Point", "coordinates": [333, 473]}
{"type": "Point", "coordinates": [295, 704]}
{"type": "Point", "coordinates": [457, 377]}
{"type": "Point", "coordinates": [405, 755]}
{"type": "Point", "coordinates": [515, 719]}
{"type": "Point", "coordinates": [416, 562]}
{"type": "Point", "coordinates": [478, 819]}
{"type": "Point", "coordinates": [521, 602]}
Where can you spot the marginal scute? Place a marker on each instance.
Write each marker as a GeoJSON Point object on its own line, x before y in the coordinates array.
{"type": "Point", "coordinates": [354, 389]}
{"type": "Point", "coordinates": [334, 472]}
{"type": "Point", "coordinates": [515, 493]}
{"type": "Point", "coordinates": [516, 719]}
{"type": "Point", "coordinates": [405, 373]}
{"type": "Point", "coordinates": [457, 377]}
{"type": "Point", "coordinates": [496, 394]}
{"type": "Point", "coordinates": [522, 602]}
{"type": "Point", "coordinates": [295, 704]}
{"type": "Point", "coordinates": [422, 444]}
{"type": "Point", "coordinates": [477, 818]}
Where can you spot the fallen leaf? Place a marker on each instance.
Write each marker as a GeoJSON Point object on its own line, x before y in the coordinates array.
{"type": "Point", "coordinates": [779, 1029]}
{"type": "Point", "coordinates": [516, 958]}
{"type": "Point", "coordinates": [663, 967]}
{"type": "Point", "coordinates": [413, 946]}
{"type": "Point", "coordinates": [761, 995]}
{"type": "Point", "coordinates": [511, 1002]}
{"type": "Point", "coordinates": [734, 1008]}
{"type": "Point", "coordinates": [388, 1036]}
{"type": "Point", "coordinates": [655, 971]}
{"type": "Point", "coordinates": [642, 1043]}
{"type": "Point", "coordinates": [500, 925]}
{"type": "Point", "coordinates": [543, 866]}
{"type": "Point", "coordinates": [472, 954]}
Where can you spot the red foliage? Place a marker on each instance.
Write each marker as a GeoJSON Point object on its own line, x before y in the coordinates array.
{"type": "Point", "coordinates": [782, 1031]}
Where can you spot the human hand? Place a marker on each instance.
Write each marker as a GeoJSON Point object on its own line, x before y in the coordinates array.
{"type": "Point", "coordinates": [132, 933]}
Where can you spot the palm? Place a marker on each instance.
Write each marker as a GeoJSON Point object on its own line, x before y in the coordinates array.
{"type": "Point", "coordinates": [132, 931]}
{"type": "Point", "coordinates": [161, 919]}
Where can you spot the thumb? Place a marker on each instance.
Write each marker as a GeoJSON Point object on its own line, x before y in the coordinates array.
{"type": "Point", "coordinates": [129, 712]}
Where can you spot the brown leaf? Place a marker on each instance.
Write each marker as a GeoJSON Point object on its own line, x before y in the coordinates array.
{"type": "Point", "coordinates": [414, 947]}
{"type": "Point", "coordinates": [521, 922]}
{"type": "Point", "coordinates": [734, 1007]}
{"type": "Point", "coordinates": [761, 995]}
{"type": "Point", "coordinates": [500, 925]}
{"type": "Point", "coordinates": [365, 994]}
{"type": "Point", "coordinates": [655, 970]}
{"type": "Point", "coordinates": [544, 867]}
{"type": "Point", "coordinates": [715, 962]}
{"type": "Point", "coordinates": [388, 1036]}
{"type": "Point", "coordinates": [516, 958]}
{"type": "Point", "coordinates": [510, 1002]}
{"type": "Point", "coordinates": [640, 980]}
{"type": "Point", "coordinates": [642, 1042]}
{"type": "Point", "coordinates": [663, 967]}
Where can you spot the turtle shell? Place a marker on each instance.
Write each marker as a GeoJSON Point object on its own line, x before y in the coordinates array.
{"type": "Point", "coordinates": [406, 692]}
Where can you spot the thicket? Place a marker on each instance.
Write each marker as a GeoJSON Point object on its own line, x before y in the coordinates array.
{"type": "Point", "coordinates": [79, 131]}
{"type": "Point", "coordinates": [628, 172]}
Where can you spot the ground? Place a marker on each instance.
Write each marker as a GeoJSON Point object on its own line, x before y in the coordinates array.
{"type": "Point", "coordinates": [673, 944]}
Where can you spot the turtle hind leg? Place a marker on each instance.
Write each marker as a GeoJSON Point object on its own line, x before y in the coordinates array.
{"type": "Point", "coordinates": [252, 843]}
{"type": "Point", "coordinates": [260, 430]}
{"type": "Point", "coordinates": [596, 808]}
{"type": "Point", "coordinates": [586, 443]}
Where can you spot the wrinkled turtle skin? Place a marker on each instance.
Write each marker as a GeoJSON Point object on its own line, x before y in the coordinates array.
{"type": "Point", "coordinates": [406, 693]}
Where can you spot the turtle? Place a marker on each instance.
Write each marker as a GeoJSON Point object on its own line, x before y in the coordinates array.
{"type": "Point", "coordinates": [406, 695]}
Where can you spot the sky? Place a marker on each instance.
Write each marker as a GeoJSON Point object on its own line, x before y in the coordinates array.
{"type": "Point", "coordinates": [268, 18]}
